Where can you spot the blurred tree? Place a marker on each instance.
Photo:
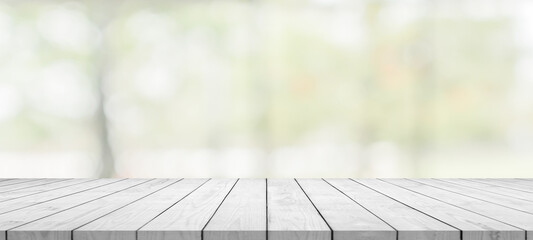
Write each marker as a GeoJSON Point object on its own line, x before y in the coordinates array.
{"type": "Point", "coordinates": [103, 13]}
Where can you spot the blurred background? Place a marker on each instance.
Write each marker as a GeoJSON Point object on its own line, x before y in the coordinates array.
{"type": "Point", "coordinates": [266, 88]}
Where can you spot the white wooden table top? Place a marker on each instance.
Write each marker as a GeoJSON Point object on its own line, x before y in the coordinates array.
{"type": "Point", "coordinates": [266, 209]}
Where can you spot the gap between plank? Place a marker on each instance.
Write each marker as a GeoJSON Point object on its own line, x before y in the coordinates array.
{"type": "Point", "coordinates": [396, 230]}
{"type": "Point", "coordinates": [65, 195]}
{"type": "Point", "coordinates": [445, 223]}
{"type": "Point", "coordinates": [266, 209]}
{"type": "Point", "coordinates": [137, 231]}
{"type": "Point", "coordinates": [330, 229]}
{"type": "Point", "coordinates": [481, 189]}
{"type": "Point", "coordinates": [72, 231]}
{"type": "Point", "coordinates": [472, 196]}
{"type": "Point", "coordinates": [76, 206]}
{"type": "Point", "coordinates": [457, 206]}
{"type": "Point", "coordinates": [460, 231]}
{"type": "Point", "coordinates": [231, 189]}
{"type": "Point", "coordinates": [501, 184]}
{"type": "Point", "coordinates": [16, 189]}
{"type": "Point", "coordinates": [29, 180]}
{"type": "Point", "coordinates": [89, 180]}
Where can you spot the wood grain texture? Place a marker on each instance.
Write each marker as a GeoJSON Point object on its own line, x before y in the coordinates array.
{"type": "Point", "coordinates": [516, 181]}
{"type": "Point", "coordinates": [24, 183]}
{"type": "Point", "coordinates": [124, 223]}
{"type": "Point", "coordinates": [186, 219]}
{"type": "Point", "coordinates": [266, 209]}
{"type": "Point", "coordinates": [242, 216]}
{"type": "Point", "coordinates": [347, 219]}
{"type": "Point", "coordinates": [22, 202]}
{"type": "Point", "coordinates": [507, 184]}
{"type": "Point", "coordinates": [472, 225]}
{"type": "Point", "coordinates": [510, 202]}
{"type": "Point", "coordinates": [16, 181]}
{"type": "Point", "coordinates": [492, 188]}
{"type": "Point", "coordinates": [70, 219]}
{"type": "Point", "coordinates": [410, 224]}
{"type": "Point", "coordinates": [40, 188]}
{"type": "Point", "coordinates": [23, 216]}
{"type": "Point", "coordinates": [291, 215]}
{"type": "Point", "coordinates": [513, 217]}
{"type": "Point", "coordinates": [8, 181]}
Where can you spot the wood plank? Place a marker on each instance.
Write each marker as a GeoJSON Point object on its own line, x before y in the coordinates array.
{"type": "Point", "coordinates": [516, 181]}
{"type": "Point", "coordinates": [124, 223]}
{"type": "Point", "coordinates": [491, 188]}
{"type": "Point", "coordinates": [472, 225]}
{"type": "Point", "coordinates": [510, 216]}
{"type": "Point", "coordinates": [347, 219]}
{"type": "Point", "coordinates": [260, 209]}
{"type": "Point", "coordinates": [24, 184]}
{"type": "Point", "coordinates": [498, 182]}
{"type": "Point", "coordinates": [186, 219]}
{"type": "Point", "coordinates": [242, 216]}
{"type": "Point", "coordinates": [506, 201]}
{"type": "Point", "coordinates": [5, 179]}
{"type": "Point", "coordinates": [291, 215]}
{"type": "Point", "coordinates": [23, 202]}
{"type": "Point", "coordinates": [16, 181]}
{"type": "Point", "coordinates": [41, 188]}
{"type": "Point", "coordinates": [410, 223]}
{"type": "Point", "coordinates": [64, 222]}
{"type": "Point", "coordinates": [23, 216]}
